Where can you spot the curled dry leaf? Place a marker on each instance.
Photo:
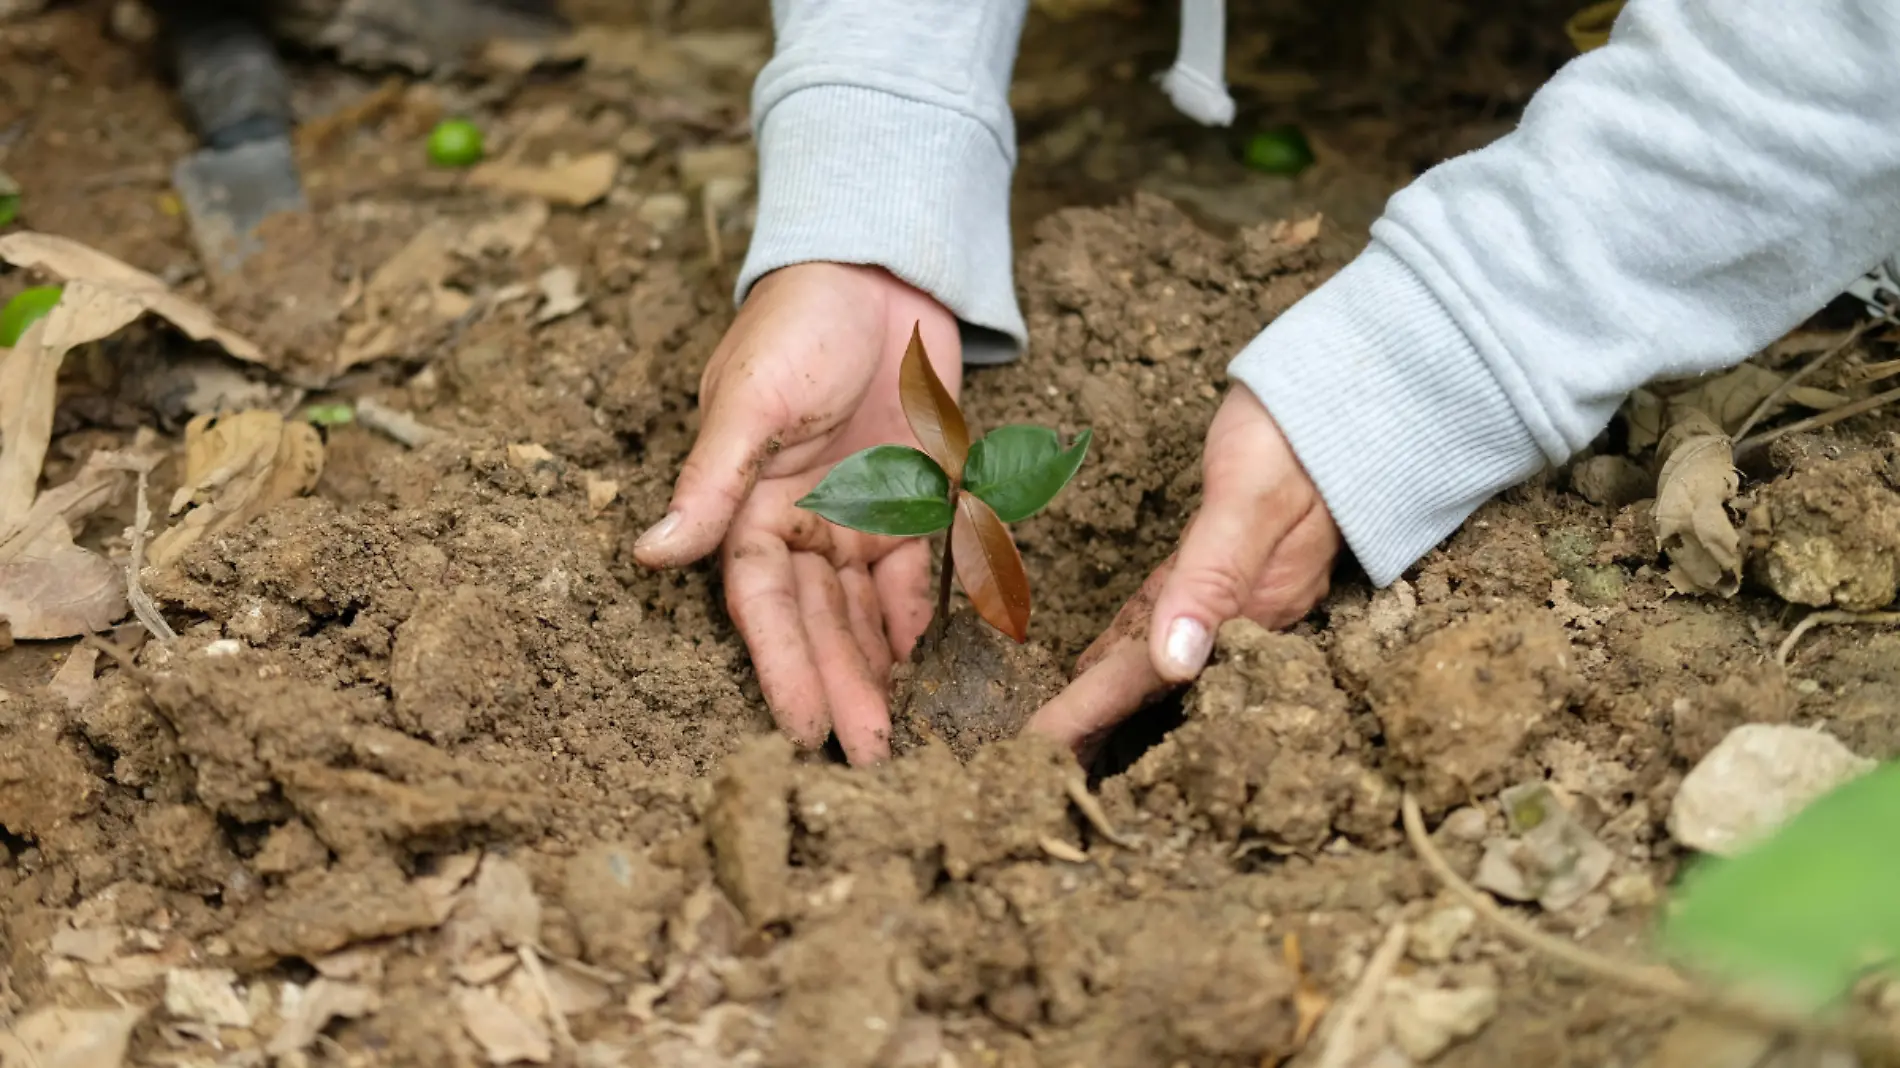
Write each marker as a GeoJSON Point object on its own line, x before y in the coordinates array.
{"type": "Point", "coordinates": [1730, 397]}
{"type": "Point", "coordinates": [307, 1010]}
{"type": "Point", "coordinates": [49, 587]}
{"type": "Point", "coordinates": [932, 412]}
{"type": "Point", "coordinates": [236, 467]}
{"type": "Point", "coordinates": [1697, 481]}
{"type": "Point", "coordinates": [72, 262]}
{"type": "Point", "coordinates": [990, 567]}
{"type": "Point", "coordinates": [574, 183]}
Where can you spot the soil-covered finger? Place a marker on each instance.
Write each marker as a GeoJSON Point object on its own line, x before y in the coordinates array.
{"type": "Point", "coordinates": [762, 597]}
{"type": "Point", "coordinates": [905, 590]}
{"type": "Point", "coordinates": [860, 716]}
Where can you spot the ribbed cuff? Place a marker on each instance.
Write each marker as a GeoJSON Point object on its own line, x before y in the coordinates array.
{"type": "Point", "coordinates": [854, 175]}
{"type": "Point", "coordinates": [1392, 410]}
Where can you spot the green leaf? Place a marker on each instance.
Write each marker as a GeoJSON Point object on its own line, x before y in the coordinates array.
{"type": "Point", "coordinates": [335, 414]}
{"type": "Point", "coordinates": [1018, 469]}
{"type": "Point", "coordinates": [28, 306]}
{"type": "Point", "coordinates": [887, 489]}
{"type": "Point", "coordinates": [9, 207]}
{"type": "Point", "coordinates": [1807, 911]}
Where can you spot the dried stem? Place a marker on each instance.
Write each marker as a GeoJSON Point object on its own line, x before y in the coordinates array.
{"type": "Point", "coordinates": [1815, 422]}
{"type": "Point", "coordinates": [1816, 619]}
{"type": "Point", "coordinates": [1653, 981]}
{"type": "Point", "coordinates": [1343, 1038]}
{"type": "Point", "coordinates": [1787, 385]}
{"type": "Point", "coordinates": [135, 595]}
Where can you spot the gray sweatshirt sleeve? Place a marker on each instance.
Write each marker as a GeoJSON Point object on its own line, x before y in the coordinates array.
{"type": "Point", "coordinates": [885, 137]}
{"type": "Point", "coordinates": [1670, 204]}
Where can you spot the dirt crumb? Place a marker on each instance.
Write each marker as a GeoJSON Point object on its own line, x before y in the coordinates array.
{"type": "Point", "coordinates": [1463, 707]}
{"type": "Point", "coordinates": [975, 688]}
{"type": "Point", "coordinates": [456, 666]}
{"type": "Point", "coordinates": [1829, 533]}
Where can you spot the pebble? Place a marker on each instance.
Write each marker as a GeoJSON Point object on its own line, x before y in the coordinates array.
{"type": "Point", "coordinates": [1426, 1021]}
{"type": "Point", "coordinates": [1634, 890]}
{"type": "Point", "coordinates": [1436, 936]}
{"type": "Point", "coordinates": [1753, 781]}
{"type": "Point", "coordinates": [1467, 824]}
{"type": "Point", "coordinates": [663, 211]}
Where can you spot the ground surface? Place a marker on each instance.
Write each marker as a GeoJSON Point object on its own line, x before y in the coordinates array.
{"type": "Point", "coordinates": [459, 721]}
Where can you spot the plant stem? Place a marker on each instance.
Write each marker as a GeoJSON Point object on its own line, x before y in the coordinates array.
{"type": "Point", "coordinates": [944, 571]}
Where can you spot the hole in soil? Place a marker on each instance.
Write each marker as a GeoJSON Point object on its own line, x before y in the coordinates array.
{"type": "Point", "coordinates": [1137, 734]}
{"type": "Point", "coordinates": [12, 845]}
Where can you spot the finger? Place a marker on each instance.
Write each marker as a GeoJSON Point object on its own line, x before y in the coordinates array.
{"type": "Point", "coordinates": [1300, 574]}
{"type": "Point", "coordinates": [1118, 684]}
{"type": "Point", "coordinates": [909, 597]}
{"type": "Point", "coordinates": [1250, 500]}
{"type": "Point", "coordinates": [734, 442]}
{"type": "Point", "coordinates": [762, 597]}
{"type": "Point", "coordinates": [867, 619]}
{"type": "Point", "coordinates": [1129, 623]}
{"type": "Point", "coordinates": [859, 715]}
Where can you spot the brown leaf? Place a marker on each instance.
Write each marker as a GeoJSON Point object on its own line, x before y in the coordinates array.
{"type": "Point", "coordinates": [70, 1038]}
{"type": "Point", "coordinates": [575, 183]}
{"type": "Point", "coordinates": [933, 413]}
{"type": "Point", "coordinates": [504, 1034]}
{"type": "Point", "coordinates": [1692, 493]}
{"type": "Point", "coordinates": [1730, 397]}
{"type": "Point", "coordinates": [236, 467]}
{"type": "Point", "coordinates": [55, 589]}
{"type": "Point", "coordinates": [74, 682]}
{"type": "Point", "coordinates": [77, 264]}
{"type": "Point", "coordinates": [504, 898]}
{"type": "Point", "coordinates": [989, 567]}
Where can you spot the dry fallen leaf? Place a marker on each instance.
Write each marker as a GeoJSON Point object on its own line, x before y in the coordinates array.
{"type": "Point", "coordinates": [77, 264]}
{"type": "Point", "coordinates": [307, 1010]}
{"type": "Point", "coordinates": [206, 995]}
{"type": "Point", "coordinates": [236, 467]}
{"type": "Point", "coordinates": [505, 1035]}
{"type": "Point", "coordinates": [574, 993]}
{"type": "Point", "coordinates": [1697, 481]}
{"type": "Point", "coordinates": [509, 233]}
{"type": "Point", "coordinates": [1731, 396]}
{"type": "Point", "coordinates": [441, 889]}
{"type": "Point", "coordinates": [74, 682]}
{"type": "Point", "coordinates": [1643, 413]}
{"type": "Point", "coordinates": [573, 183]}
{"type": "Point", "coordinates": [69, 1038]}
{"type": "Point", "coordinates": [54, 589]}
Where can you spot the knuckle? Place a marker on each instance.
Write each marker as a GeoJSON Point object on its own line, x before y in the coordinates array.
{"type": "Point", "coordinates": [1217, 584]}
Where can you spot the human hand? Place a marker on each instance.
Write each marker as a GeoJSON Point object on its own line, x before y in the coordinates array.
{"type": "Point", "coordinates": [1262, 546]}
{"type": "Point", "coordinates": [807, 375]}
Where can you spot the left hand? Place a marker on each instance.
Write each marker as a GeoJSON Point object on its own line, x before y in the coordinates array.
{"type": "Point", "coordinates": [1262, 546]}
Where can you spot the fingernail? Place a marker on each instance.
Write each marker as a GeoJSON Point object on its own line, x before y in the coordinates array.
{"type": "Point", "coordinates": [1187, 648]}
{"type": "Point", "coordinates": [658, 534]}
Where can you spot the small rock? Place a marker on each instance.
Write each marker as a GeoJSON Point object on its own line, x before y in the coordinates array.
{"type": "Point", "coordinates": [1425, 1021]}
{"type": "Point", "coordinates": [1392, 610]}
{"type": "Point", "coordinates": [1553, 860]}
{"type": "Point", "coordinates": [205, 995]}
{"type": "Point", "coordinates": [636, 143]}
{"type": "Point", "coordinates": [1467, 824]}
{"type": "Point", "coordinates": [663, 211]}
{"type": "Point", "coordinates": [1437, 935]}
{"type": "Point", "coordinates": [1634, 890]}
{"type": "Point", "coordinates": [560, 294]}
{"type": "Point", "coordinates": [1753, 781]}
{"type": "Point", "coordinates": [698, 166]}
{"type": "Point", "coordinates": [1612, 481]}
{"type": "Point", "coordinates": [601, 493]}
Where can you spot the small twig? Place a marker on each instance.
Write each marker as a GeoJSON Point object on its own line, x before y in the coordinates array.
{"type": "Point", "coordinates": [1815, 422]}
{"type": "Point", "coordinates": [1653, 981]}
{"type": "Point", "coordinates": [709, 214]}
{"type": "Point", "coordinates": [1342, 1039]}
{"type": "Point", "coordinates": [1816, 619]}
{"type": "Point", "coordinates": [1091, 810]}
{"type": "Point", "coordinates": [397, 425]}
{"type": "Point", "coordinates": [539, 976]}
{"type": "Point", "coordinates": [1769, 402]}
{"type": "Point", "coordinates": [135, 595]}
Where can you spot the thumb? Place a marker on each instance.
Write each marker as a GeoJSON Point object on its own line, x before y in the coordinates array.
{"type": "Point", "coordinates": [714, 481]}
{"type": "Point", "coordinates": [1249, 502]}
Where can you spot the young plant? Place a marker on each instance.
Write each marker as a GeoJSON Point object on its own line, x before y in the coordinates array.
{"type": "Point", "coordinates": [973, 488]}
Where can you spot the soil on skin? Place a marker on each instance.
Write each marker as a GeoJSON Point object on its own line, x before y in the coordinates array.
{"type": "Point", "coordinates": [434, 712]}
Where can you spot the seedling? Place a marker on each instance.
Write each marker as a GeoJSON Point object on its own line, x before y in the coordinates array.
{"type": "Point", "coordinates": [975, 489]}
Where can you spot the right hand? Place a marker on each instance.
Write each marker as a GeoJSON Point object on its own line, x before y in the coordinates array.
{"type": "Point", "coordinates": [807, 375]}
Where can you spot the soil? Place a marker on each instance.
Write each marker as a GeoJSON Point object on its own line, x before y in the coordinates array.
{"type": "Point", "coordinates": [432, 723]}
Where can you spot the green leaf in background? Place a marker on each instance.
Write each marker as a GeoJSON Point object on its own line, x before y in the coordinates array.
{"type": "Point", "coordinates": [1280, 150]}
{"type": "Point", "coordinates": [27, 307]}
{"type": "Point", "coordinates": [1016, 470]}
{"type": "Point", "coordinates": [1808, 911]}
{"type": "Point", "coordinates": [887, 489]}
{"type": "Point", "coordinates": [9, 199]}
{"type": "Point", "coordinates": [335, 414]}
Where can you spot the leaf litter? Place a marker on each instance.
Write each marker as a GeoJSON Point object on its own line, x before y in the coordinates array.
{"type": "Point", "coordinates": [1696, 482]}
